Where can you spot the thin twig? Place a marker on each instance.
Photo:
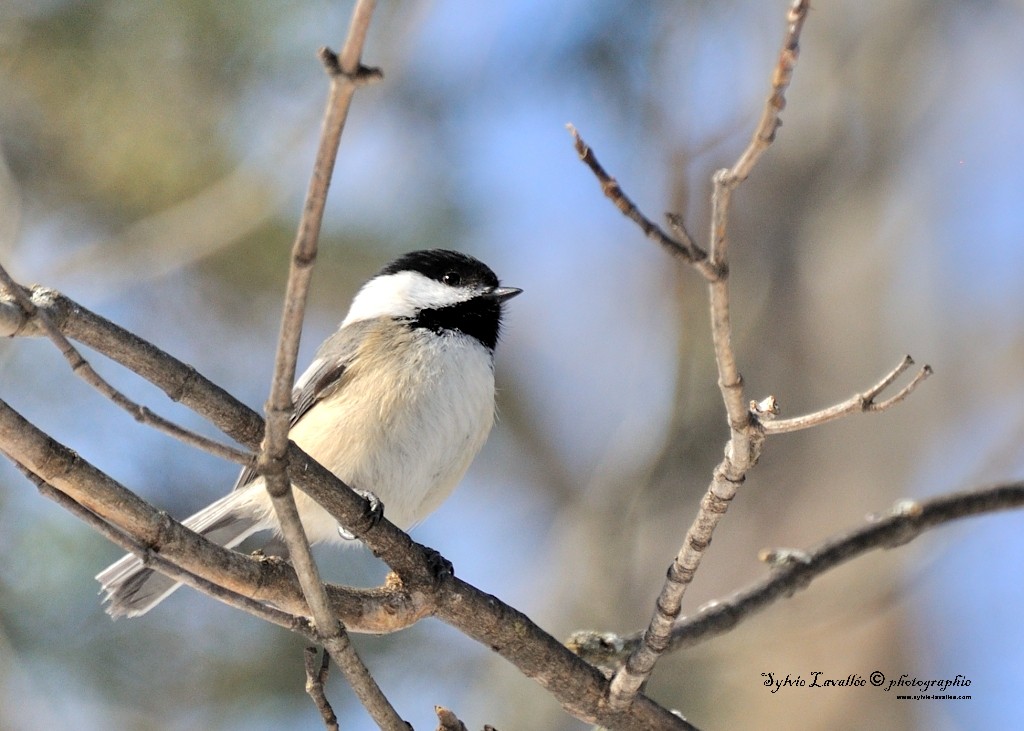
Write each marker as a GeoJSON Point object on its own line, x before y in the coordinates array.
{"type": "Point", "coordinates": [81, 368]}
{"type": "Point", "coordinates": [684, 246]}
{"type": "Point", "coordinates": [770, 121]}
{"type": "Point", "coordinates": [273, 460]}
{"type": "Point", "coordinates": [859, 403]}
{"type": "Point", "coordinates": [746, 439]}
{"type": "Point", "coordinates": [725, 181]}
{"type": "Point", "coordinates": [793, 571]}
{"type": "Point", "coordinates": [316, 679]}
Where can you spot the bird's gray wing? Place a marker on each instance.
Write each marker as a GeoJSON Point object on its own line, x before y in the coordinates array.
{"type": "Point", "coordinates": [322, 377]}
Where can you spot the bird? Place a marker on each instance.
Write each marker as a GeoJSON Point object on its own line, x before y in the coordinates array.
{"type": "Point", "coordinates": [397, 402]}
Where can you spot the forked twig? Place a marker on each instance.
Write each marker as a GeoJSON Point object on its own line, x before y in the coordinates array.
{"type": "Point", "coordinates": [858, 403]}
{"type": "Point", "coordinates": [746, 439]}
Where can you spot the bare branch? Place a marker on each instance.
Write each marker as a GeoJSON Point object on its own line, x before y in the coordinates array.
{"type": "Point", "coordinates": [580, 687]}
{"type": "Point", "coordinates": [167, 545]}
{"type": "Point", "coordinates": [879, 406]}
{"type": "Point", "coordinates": [684, 246]}
{"type": "Point", "coordinates": [81, 368]}
{"type": "Point", "coordinates": [316, 678]}
{"type": "Point", "coordinates": [859, 403]}
{"type": "Point", "coordinates": [727, 180]}
{"type": "Point", "coordinates": [273, 457]}
{"type": "Point", "coordinates": [631, 675]}
{"type": "Point", "coordinates": [793, 571]}
{"type": "Point", "coordinates": [770, 121]}
{"type": "Point", "coordinates": [154, 559]}
{"type": "Point", "coordinates": [576, 685]}
{"type": "Point", "coordinates": [746, 439]}
{"type": "Point", "coordinates": [90, 488]}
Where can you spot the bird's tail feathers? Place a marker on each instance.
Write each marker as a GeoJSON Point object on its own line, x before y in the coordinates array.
{"type": "Point", "coordinates": [132, 589]}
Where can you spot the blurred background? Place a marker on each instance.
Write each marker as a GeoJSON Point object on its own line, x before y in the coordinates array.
{"type": "Point", "coordinates": [153, 160]}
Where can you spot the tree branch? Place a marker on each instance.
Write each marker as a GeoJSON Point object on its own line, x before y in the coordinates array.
{"type": "Point", "coordinates": [578, 686]}
{"type": "Point", "coordinates": [180, 382]}
{"type": "Point", "coordinates": [859, 403]}
{"type": "Point", "coordinates": [154, 559]}
{"type": "Point", "coordinates": [316, 678]}
{"type": "Point", "coordinates": [81, 368]}
{"type": "Point", "coordinates": [279, 407]}
{"type": "Point", "coordinates": [746, 439]}
{"type": "Point", "coordinates": [273, 456]}
{"type": "Point", "coordinates": [136, 526]}
{"type": "Point", "coordinates": [684, 246]}
{"type": "Point", "coordinates": [794, 570]}
{"type": "Point", "coordinates": [770, 120]}
{"type": "Point", "coordinates": [66, 471]}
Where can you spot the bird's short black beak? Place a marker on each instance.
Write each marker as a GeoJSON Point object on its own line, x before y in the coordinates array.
{"type": "Point", "coordinates": [505, 293]}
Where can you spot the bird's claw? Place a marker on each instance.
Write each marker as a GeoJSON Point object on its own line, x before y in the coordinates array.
{"type": "Point", "coordinates": [373, 514]}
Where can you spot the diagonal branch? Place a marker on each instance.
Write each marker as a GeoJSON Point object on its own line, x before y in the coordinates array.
{"type": "Point", "coordinates": [136, 526]}
{"type": "Point", "coordinates": [794, 570]}
{"type": "Point", "coordinates": [858, 403]}
{"type": "Point", "coordinates": [81, 368]}
{"type": "Point", "coordinates": [684, 246]}
{"type": "Point", "coordinates": [94, 491]}
{"type": "Point", "coordinates": [152, 558]}
{"type": "Point", "coordinates": [577, 686]}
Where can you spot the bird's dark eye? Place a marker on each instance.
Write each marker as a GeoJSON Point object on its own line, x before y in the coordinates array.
{"type": "Point", "coordinates": [452, 279]}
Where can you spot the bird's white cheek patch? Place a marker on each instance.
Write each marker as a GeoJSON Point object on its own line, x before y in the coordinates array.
{"type": "Point", "coordinates": [402, 295]}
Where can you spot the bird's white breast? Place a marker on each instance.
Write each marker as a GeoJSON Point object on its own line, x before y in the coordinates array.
{"type": "Point", "coordinates": [412, 412]}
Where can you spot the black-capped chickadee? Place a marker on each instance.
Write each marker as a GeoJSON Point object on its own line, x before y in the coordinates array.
{"type": "Point", "coordinates": [397, 402]}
